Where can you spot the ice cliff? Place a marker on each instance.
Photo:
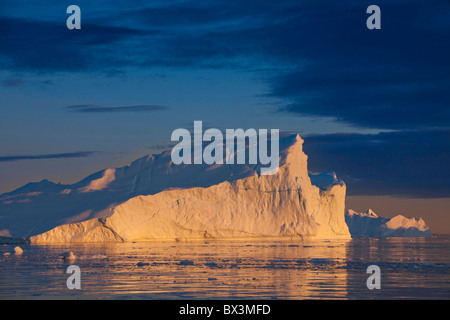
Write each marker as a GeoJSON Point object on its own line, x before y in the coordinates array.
{"type": "Point", "coordinates": [153, 199]}
{"type": "Point", "coordinates": [368, 224]}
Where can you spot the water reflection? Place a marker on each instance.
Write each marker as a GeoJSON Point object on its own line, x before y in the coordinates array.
{"type": "Point", "coordinates": [230, 269]}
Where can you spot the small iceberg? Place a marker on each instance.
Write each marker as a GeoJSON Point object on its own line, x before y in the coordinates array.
{"type": "Point", "coordinates": [369, 224]}
{"type": "Point", "coordinates": [68, 256]}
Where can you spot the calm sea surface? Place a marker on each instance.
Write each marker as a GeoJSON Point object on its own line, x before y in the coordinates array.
{"type": "Point", "coordinates": [411, 268]}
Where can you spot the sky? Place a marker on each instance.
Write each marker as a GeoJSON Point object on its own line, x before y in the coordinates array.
{"type": "Point", "coordinates": [371, 105]}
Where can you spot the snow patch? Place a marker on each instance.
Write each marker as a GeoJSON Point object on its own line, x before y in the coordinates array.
{"type": "Point", "coordinates": [101, 183]}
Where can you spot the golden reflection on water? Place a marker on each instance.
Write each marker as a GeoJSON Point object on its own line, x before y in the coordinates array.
{"type": "Point", "coordinates": [305, 269]}
{"type": "Point", "coordinates": [230, 270]}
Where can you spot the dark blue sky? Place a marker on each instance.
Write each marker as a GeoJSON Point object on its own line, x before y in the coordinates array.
{"type": "Point", "coordinates": [372, 105]}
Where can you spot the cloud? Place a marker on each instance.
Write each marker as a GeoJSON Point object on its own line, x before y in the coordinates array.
{"type": "Point", "coordinates": [89, 108]}
{"type": "Point", "coordinates": [172, 33]}
{"type": "Point", "coordinates": [48, 46]}
{"type": "Point", "coordinates": [13, 82]}
{"type": "Point", "coordinates": [394, 78]}
{"type": "Point", "coordinates": [406, 163]}
{"type": "Point", "coordinates": [318, 58]}
{"type": "Point", "coordinates": [79, 154]}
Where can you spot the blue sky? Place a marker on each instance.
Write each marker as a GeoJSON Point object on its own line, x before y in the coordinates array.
{"type": "Point", "coordinates": [372, 105]}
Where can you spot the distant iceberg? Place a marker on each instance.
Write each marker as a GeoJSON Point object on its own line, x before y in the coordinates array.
{"type": "Point", "coordinates": [368, 224]}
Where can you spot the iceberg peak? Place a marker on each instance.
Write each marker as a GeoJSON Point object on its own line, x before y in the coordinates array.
{"type": "Point", "coordinates": [370, 213]}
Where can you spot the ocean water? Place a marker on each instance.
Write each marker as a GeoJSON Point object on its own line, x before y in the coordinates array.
{"type": "Point", "coordinates": [411, 268]}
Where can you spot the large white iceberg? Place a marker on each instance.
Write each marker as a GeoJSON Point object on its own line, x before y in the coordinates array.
{"type": "Point", "coordinates": [153, 199]}
{"type": "Point", "coordinates": [369, 224]}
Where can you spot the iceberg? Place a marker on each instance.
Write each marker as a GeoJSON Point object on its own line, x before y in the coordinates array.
{"type": "Point", "coordinates": [369, 224]}
{"type": "Point", "coordinates": [153, 199]}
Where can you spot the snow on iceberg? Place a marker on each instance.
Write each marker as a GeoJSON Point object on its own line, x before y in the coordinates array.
{"type": "Point", "coordinates": [98, 184]}
{"type": "Point", "coordinates": [368, 224]}
{"type": "Point", "coordinates": [162, 201]}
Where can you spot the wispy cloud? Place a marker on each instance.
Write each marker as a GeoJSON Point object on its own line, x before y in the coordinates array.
{"type": "Point", "coordinates": [13, 82]}
{"type": "Point", "coordinates": [79, 154]}
{"type": "Point", "coordinates": [90, 108]}
{"type": "Point", "coordinates": [163, 147]}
